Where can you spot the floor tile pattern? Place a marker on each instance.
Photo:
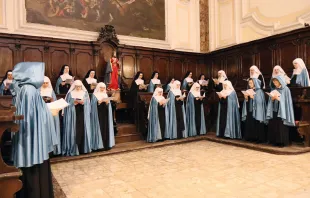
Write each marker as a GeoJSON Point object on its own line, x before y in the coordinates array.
{"type": "Point", "coordinates": [196, 169]}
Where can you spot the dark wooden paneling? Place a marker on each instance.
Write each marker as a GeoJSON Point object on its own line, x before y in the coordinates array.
{"type": "Point", "coordinates": [266, 62]}
{"type": "Point", "coordinates": [162, 66]}
{"type": "Point", "coordinates": [32, 54]}
{"type": "Point", "coordinates": [288, 52]}
{"type": "Point", "coordinates": [246, 63]}
{"type": "Point", "coordinates": [177, 69]}
{"type": "Point", "coordinates": [58, 58]}
{"type": "Point", "coordinates": [232, 66]}
{"type": "Point", "coordinates": [6, 60]}
{"type": "Point", "coordinates": [146, 66]}
{"type": "Point", "coordinates": [83, 64]}
{"type": "Point", "coordinates": [280, 49]}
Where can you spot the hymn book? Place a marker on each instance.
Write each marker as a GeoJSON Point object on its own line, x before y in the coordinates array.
{"type": "Point", "coordinates": [57, 105]}
{"type": "Point", "coordinates": [249, 92]}
{"type": "Point", "coordinates": [204, 83]}
{"type": "Point", "coordinates": [165, 101]}
{"type": "Point", "coordinates": [221, 95]}
{"type": "Point", "coordinates": [274, 93]}
{"type": "Point", "coordinates": [143, 86]}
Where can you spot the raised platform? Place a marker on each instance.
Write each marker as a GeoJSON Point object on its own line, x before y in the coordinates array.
{"type": "Point", "coordinates": [127, 133]}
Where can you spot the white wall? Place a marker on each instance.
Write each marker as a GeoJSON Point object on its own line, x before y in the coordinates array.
{"type": "Point", "coordinates": [182, 26]}
{"type": "Point", "coordinates": [238, 21]}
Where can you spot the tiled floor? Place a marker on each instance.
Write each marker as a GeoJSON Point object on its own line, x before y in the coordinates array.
{"type": "Point", "coordinates": [196, 169]}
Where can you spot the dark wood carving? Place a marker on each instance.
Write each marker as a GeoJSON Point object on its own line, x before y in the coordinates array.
{"type": "Point", "coordinates": [9, 175]}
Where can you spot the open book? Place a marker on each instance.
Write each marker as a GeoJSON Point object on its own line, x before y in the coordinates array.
{"type": "Point", "coordinates": [57, 105]}
{"type": "Point", "coordinates": [249, 92]}
{"type": "Point", "coordinates": [182, 97]}
{"type": "Point", "coordinates": [274, 93]}
{"type": "Point", "coordinates": [204, 82]}
{"type": "Point", "coordinates": [221, 95]}
{"type": "Point", "coordinates": [69, 81]}
{"type": "Point", "coordinates": [107, 99]}
{"type": "Point", "coordinates": [165, 101]}
{"type": "Point", "coordinates": [143, 86]}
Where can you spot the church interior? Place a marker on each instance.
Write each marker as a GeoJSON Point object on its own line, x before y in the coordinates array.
{"type": "Point", "coordinates": [154, 98]}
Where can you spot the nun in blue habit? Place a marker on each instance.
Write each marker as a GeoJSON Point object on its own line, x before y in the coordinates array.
{"type": "Point", "coordinates": [187, 81]}
{"type": "Point", "coordinates": [101, 119]}
{"type": "Point", "coordinates": [48, 96]}
{"type": "Point", "coordinates": [154, 82]}
{"type": "Point", "coordinates": [254, 113]}
{"type": "Point", "coordinates": [169, 85]}
{"type": "Point", "coordinates": [76, 122]}
{"type": "Point", "coordinates": [177, 118]}
{"type": "Point", "coordinates": [280, 114]}
{"type": "Point", "coordinates": [300, 75]}
{"type": "Point", "coordinates": [195, 117]}
{"type": "Point", "coordinates": [64, 81]}
{"type": "Point", "coordinates": [228, 119]}
{"type": "Point", "coordinates": [278, 71]}
{"type": "Point", "coordinates": [158, 117]}
{"type": "Point", "coordinates": [5, 84]}
{"type": "Point", "coordinates": [36, 137]}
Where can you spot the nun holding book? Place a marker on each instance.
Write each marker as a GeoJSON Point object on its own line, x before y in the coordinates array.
{"type": "Point", "coordinates": [5, 84]}
{"type": "Point", "coordinates": [300, 75]}
{"type": "Point", "coordinates": [76, 121]}
{"type": "Point", "coordinates": [254, 112]}
{"type": "Point", "coordinates": [154, 82]}
{"type": "Point", "coordinates": [280, 113]}
{"type": "Point", "coordinates": [218, 82]}
{"type": "Point", "coordinates": [158, 117]}
{"type": "Point", "coordinates": [187, 81]}
{"type": "Point", "coordinates": [177, 117]}
{"type": "Point", "coordinates": [195, 117]}
{"type": "Point", "coordinates": [228, 118]}
{"type": "Point", "coordinates": [90, 81]}
{"type": "Point", "coordinates": [64, 81]}
{"type": "Point", "coordinates": [49, 96]}
{"type": "Point", "coordinates": [101, 119]}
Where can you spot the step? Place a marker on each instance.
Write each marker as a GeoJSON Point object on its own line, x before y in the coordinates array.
{"type": "Point", "coordinates": [121, 106]}
{"type": "Point", "coordinates": [123, 129]}
{"type": "Point", "coordinates": [127, 138]}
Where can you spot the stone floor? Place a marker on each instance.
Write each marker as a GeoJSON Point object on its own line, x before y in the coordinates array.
{"type": "Point", "coordinates": [195, 169]}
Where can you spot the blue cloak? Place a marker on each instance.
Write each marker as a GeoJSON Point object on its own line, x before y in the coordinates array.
{"type": "Point", "coordinates": [184, 85]}
{"type": "Point", "coordinates": [284, 106]}
{"type": "Point", "coordinates": [36, 137]}
{"type": "Point", "coordinates": [151, 87]}
{"type": "Point", "coordinates": [107, 73]}
{"type": "Point", "coordinates": [69, 146]}
{"type": "Point", "coordinates": [257, 105]}
{"type": "Point", "coordinates": [232, 129]}
{"type": "Point", "coordinates": [57, 149]}
{"type": "Point", "coordinates": [190, 117]}
{"type": "Point", "coordinates": [302, 78]}
{"type": "Point", "coordinates": [1, 89]}
{"type": "Point", "coordinates": [154, 131]}
{"type": "Point", "coordinates": [95, 127]}
{"type": "Point", "coordinates": [58, 82]}
{"type": "Point", "coordinates": [167, 89]}
{"type": "Point", "coordinates": [172, 128]}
